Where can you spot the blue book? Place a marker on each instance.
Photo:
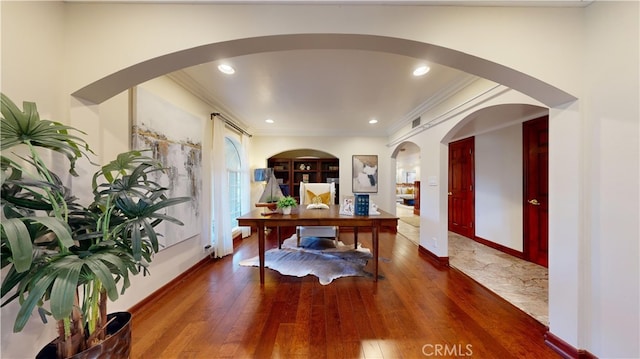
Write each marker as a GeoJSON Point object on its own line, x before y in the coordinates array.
{"type": "Point", "coordinates": [361, 204]}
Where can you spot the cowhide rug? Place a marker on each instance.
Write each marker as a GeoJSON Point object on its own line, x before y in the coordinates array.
{"type": "Point", "coordinates": [317, 256]}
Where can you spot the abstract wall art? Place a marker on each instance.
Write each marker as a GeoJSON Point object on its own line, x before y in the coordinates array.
{"type": "Point", "coordinates": [365, 174]}
{"type": "Point", "coordinates": [175, 138]}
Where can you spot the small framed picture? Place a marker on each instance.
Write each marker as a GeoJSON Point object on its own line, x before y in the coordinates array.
{"type": "Point", "coordinates": [347, 207]}
{"type": "Point", "coordinates": [365, 174]}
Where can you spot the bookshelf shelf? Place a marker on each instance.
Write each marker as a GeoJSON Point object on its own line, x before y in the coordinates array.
{"type": "Point", "coordinates": [291, 171]}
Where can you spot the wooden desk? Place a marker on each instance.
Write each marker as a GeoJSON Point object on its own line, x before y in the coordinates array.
{"type": "Point", "coordinates": [301, 216]}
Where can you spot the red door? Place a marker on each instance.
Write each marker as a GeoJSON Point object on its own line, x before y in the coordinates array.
{"type": "Point", "coordinates": [536, 190]}
{"type": "Point", "coordinates": [461, 188]}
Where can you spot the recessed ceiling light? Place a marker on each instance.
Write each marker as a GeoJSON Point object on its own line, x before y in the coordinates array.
{"type": "Point", "coordinates": [268, 120]}
{"type": "Point", "coordinates": [373, 121]}
{"type": "Point", "coordinates": [419, 71]}
{"type": "Point", "coordinates": [226, 69]}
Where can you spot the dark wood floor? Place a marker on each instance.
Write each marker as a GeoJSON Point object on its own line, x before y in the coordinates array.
{"type": "Point", "coordinates": [415, 310]}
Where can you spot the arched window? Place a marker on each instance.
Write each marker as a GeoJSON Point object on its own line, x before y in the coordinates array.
{"type": "Point", "coordinates": [234, 176]}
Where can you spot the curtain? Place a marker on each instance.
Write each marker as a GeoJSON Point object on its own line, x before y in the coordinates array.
{"type": "Point", "coordinates": [221, 220]}
{"type": "Point", "coordinates": [245, 187]}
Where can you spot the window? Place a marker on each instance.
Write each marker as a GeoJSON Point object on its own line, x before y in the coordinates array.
{"type": "Point", "coordinates": [234, 175]}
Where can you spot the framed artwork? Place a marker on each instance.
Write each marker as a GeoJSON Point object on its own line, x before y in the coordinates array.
{"type": "Point", "coordinates": [175, 138]}
{"type": "Point", "coordinates": [347, 207]}
{"type": "Point", "coordinates": [365, 174]}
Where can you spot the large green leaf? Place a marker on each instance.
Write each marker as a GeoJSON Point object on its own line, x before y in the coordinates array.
{"type": "Point", "coordinates": [136, 240]}
{"type": "Point", "coordinates": [9, 281]}
{"type": "Point", "coordinates": [32, 194]}
{"type": "Point", "coordinates": [168, 203]}
{"type": "Point", "coordinates": [54, 247]}
{"type": "Point", "coordinates": [123, 164]}
{"type": "Point", "coordinates": [35, 296]}
{"type": "Point", "coordinates": [167, 218]}
{"type": "Point", "coordinates": [102, 272]}
{"type": "Point", "coordinates": [26, 127]}
{"type": "Point", "coordinates": [64, 286]}
{"type": "Point", "coordinates": [153, 238]}
{"type": "Point", "coordinates": [20, 243]}
{"type": "Point", "coordinates": [59, 227]}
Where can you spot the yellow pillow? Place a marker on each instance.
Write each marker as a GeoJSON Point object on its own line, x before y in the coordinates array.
{"type": "Point", "coordinates": [409, 190]}
{"type": "Point", "coordinates": [312, 198]}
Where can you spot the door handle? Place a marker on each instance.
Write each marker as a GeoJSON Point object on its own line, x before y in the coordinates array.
{"type": "Point", "coordinates": [534, 202]}
{"type": "Point", "coordinates": [450, 193]}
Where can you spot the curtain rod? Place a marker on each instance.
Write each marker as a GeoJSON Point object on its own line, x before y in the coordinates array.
{"type": "Point", "coordinates": [230, 123]}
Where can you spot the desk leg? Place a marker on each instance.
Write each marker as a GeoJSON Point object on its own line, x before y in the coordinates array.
{"type": "Point", "coordinates": [278, 234]}
{"type": "Point", "coordinates": [374, 239]}
{"type": "Point", "coordinates": [261, 229]}
{"type": "Point", "coordinates": [355, 237]}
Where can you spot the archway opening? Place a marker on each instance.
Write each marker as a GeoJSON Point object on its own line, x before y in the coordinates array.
{"type": "Point", "coordinates": [493, 253]}
{"type": "Point", "coordinates": [306, 165]}
{"type": "Point", "coordinates": [110, 85]}
{"type": "Point", "coordinates": [407, 189]}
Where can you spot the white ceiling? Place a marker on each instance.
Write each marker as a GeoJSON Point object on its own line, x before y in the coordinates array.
{"type": "Point", "coordinates": [321, 92]}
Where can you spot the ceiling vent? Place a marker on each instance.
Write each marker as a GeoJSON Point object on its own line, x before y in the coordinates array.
{"type": "Point", "coordinates": [415, 123]}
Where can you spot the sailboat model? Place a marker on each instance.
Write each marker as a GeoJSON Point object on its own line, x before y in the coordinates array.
{"type": "Point", "coordinates": [272, 193]}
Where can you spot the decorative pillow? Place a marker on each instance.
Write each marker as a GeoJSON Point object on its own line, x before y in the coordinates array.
{"type": "Point", "coordinates": [312, 198]}
{"type": "Point", "coordinates": [409, 190]}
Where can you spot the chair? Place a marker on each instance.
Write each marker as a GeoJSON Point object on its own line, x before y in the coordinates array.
{"type": "Point", "coordinates": [317, 195]}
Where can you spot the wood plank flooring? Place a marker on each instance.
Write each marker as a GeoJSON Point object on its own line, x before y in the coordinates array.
{"type": "Point", "coordinates": [415, 310]}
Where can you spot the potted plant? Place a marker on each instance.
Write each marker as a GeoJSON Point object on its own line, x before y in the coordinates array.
{"type": "Point", "coordinates": [286, 203]}
{"type": "Point", "coordinates": [66, 259]}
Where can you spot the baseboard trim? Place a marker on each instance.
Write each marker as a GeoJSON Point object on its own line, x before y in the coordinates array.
{"type": "Point", "coordinates": [168, 288]}
{"type": "Point", "coordinates": [439, 261]}
{"type": "Point", "coordinates": [565, 349]}
{"type": "Point", "coordinates": [236, 240]}
{"type": "Point", "coordinates": [499, 247]}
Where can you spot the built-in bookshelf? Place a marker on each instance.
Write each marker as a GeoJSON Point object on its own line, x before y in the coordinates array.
{"type": "Point", "coordinates": [291, 171]}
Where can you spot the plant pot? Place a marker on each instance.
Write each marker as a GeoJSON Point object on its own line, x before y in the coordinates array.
{"type": "Point", "coordinates": [116, 346]}
{"type": "Point", "coordinates": [286, 210]}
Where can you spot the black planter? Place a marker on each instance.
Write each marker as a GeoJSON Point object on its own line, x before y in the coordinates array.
{"type": "Point", "coordinates": [116, 346]}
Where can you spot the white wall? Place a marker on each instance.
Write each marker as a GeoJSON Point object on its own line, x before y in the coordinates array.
{"type": "Point", "coordinates": [498, 177]}
{"type": "Point", "coordinates": [42, 84]}
{"type": "Point", "coordinates": [612, 174]}
{"type": "Point", "coordinates": [45, 61]}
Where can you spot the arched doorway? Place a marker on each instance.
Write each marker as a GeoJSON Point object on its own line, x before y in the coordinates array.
{"type": "Point", "coordinates": [110, 85]}
{"type": "Point", "coordinates": [114, 83]}
{"type": "Point", "coordinates": [407, 189]}
{"type": "Point", "coordinates": [497, 138]}
{"type": "Point", "coordinates": [305, 165]}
